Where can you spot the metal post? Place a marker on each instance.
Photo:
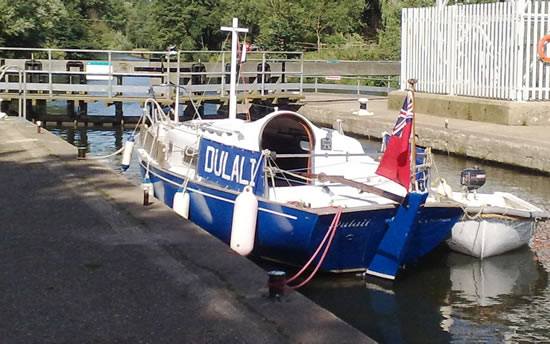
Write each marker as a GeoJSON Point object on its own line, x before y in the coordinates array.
{"type": "Point", "coordinates": [223, 75]}
{"type": "Point", "coordinates": [412, 83]}
{"type": "Point", "coordinates": [24, 115]}
{"type": "Point", "coordinates": [177, 106]}
{"type": "Point", "coordinates": [315, 84]}
{"type": "Point", "coordinates": [168, 91]}
{"type": "Point", "coordinates": [50, 72]}
{"type": "Point", "coordinates": [110, 76]}
{"type": "Point", "coordinates": [301, 73]}
{"type": "Point", "coordinates": [263, 73]}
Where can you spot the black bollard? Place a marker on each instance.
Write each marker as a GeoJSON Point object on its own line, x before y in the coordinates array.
{"type": "Point", "coordinates": [81, 153]}
{"type": "Point", "coordinates": [145, 196]}
{"type": "Point", "coordinates": [276, 283]}
{"type": "Point", "coordinates": [363, 104]}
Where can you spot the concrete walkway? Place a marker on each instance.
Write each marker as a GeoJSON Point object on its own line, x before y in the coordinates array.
{"type": "Point", "coordinates": [522, 146]}
{"type": "Point", "coordinates": [83, 261]}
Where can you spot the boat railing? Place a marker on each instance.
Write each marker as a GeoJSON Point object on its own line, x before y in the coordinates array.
{"type": "Point", "coordinates": [424, 164]}
{"type": "Point", "coordinates": [323, 155]}
{"type": "Point", "coordinates": [153, 112]}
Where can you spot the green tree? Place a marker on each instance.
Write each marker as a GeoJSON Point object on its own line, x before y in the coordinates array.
{"type": "Point", "coordinates": [71, 30]}
{"type": "Point", "coordinates": [28, 23]}
{"type": "Point", "coordinates": [251, 14]}
{"type": "Point", "coordinates": [284, 27]}
{"type": "Point", "coordinates": [139, 26]}
{"type": "Point", "coordinates": [325, 17]}
{"type": "Point", "coordinates": [188, 24]}
{"type": "Point", "coordinates": [106, 22]}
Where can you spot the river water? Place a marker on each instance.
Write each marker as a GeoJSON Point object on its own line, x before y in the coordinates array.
{"type": "Point", "coordinates": [446, 297]}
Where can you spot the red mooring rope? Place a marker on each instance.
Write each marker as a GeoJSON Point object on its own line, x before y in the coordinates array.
{"type": "Point", "coordinates": [330, 233]}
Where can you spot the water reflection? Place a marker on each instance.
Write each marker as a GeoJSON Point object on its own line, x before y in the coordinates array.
{"type": "Point", "coordinates": [101, 141]}
{"type": "Point", "coordinates": [488, 282]}
{"type": "Point", "coordinates": [446, 298]}
{"type": "Point", "coordinates": [488, 295]}
{"type": "Point", "coordinates": [404, 312]}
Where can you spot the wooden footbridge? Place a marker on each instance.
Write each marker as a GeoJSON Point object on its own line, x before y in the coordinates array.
{"type": "Point", "coordinates": [80, 77]}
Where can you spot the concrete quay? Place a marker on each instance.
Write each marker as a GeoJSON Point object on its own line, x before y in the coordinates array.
{"type": "Point", "coordinates": [83, 261]}
{"type": "Point", "coordinates": [523, 146]}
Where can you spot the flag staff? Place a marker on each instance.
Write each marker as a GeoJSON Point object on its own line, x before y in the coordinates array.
{"type": "Point", "coordinates": [412, 83]}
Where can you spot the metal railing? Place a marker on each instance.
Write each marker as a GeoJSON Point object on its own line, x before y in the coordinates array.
{"type": "Point", "coordinates": [352, 84]}
{"type": "Point", "coordinates": [22, 101]}
{"type": "Point", "coordinates": [264, 72]}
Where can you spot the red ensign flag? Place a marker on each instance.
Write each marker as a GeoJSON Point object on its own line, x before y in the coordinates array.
{"type": "Point", "coordinates": [396, 161]}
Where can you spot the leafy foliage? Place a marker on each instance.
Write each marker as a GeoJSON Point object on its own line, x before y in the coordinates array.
{"type": "Point", "coordinates": [339, 29]}
{"type": "Point", "coordinates": [28, 23]}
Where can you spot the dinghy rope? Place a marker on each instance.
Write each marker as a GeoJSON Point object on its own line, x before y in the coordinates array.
{"type": "Point", "coordinates": [447, 193]}
{"type": "Point", "coordinates": [467, 214]}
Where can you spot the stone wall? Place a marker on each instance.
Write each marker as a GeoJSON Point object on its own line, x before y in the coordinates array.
{"type": "Point", "coordinates": [477, 109]}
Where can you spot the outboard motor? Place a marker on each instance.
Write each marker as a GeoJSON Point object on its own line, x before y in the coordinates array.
{"type": "Point", "coordinates": [473, 178]}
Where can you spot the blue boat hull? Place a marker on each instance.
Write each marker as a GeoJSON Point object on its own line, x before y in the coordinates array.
{"type": "Point", "coordinates": [291, 235]}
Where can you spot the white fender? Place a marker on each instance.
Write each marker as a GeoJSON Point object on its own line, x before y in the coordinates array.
{"type": "Point", "coordinates": [127, 153]}
{"type": "Point", "coordinates": [245, 214]}
{"type": "Point", "coordinates": [148, 185]}
{"type": "Point", "coordinates": [444, 189]}
{"type": "Point", "coordinates": [181, 203]}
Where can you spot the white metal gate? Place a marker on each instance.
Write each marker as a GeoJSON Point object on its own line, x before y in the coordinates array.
{"type": "Point", "coordinates": [482, 50]}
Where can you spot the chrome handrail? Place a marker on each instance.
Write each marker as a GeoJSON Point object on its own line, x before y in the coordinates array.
{"type": "Point", "coordinates": [22, 109]}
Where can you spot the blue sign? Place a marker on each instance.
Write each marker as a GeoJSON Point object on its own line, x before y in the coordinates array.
{"type": "Point", "coordinates": [230, 166]}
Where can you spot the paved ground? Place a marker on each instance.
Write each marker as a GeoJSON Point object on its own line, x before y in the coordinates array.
{"type": "Point", "coordinates": [523, 146]}
{"type": "Point", "coordinates": [82, 261]}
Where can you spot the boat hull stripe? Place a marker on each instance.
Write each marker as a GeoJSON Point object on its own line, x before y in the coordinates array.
{"type": "Point", "coordinates": [214, 196]}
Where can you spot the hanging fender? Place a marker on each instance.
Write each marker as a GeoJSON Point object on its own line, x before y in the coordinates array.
{"type": "Point", "coordinates": [243, 229]}
{"type": "Point", "coordinates": [541, 51]}
{"type": "Point", "coordinates": [181, 203]}
{"type": "Point", "coordinates": [127, 153]}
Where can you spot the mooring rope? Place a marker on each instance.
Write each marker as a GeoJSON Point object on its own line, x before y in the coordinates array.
{"type": "Point", "coordinates": [121, 148]}
{"type": "Point", "coordinates": [105, 156]}
{"type": "Point", "coordinates": [331, 231]}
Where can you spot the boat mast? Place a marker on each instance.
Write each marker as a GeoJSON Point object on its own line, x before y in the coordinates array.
{"type": "Point", "coordinates": [412, 82]}
{"type": "Point", "coordinates": [232, 88]}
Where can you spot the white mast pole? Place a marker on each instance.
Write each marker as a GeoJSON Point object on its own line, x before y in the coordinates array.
{"type": "Point", "coordinates": [233, 85]}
